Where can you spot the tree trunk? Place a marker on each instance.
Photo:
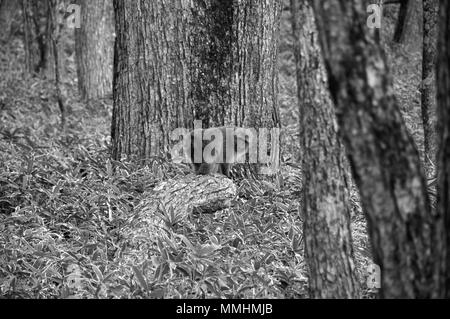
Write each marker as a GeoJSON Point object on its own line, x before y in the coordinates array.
{"type": "Point", "coordinates": [234, 73]}
{"type": "Point", "coordinates": [212, 51]}
{"type": "Point", "coordinates": [254, 65]}
{"type": "Point", "coordinates": [94, 49]}
{"type": "Point", "coordinates": [8, 10]}
{"type": "Point", "coordinates": [151, 80]}
{"type": "Point", "coordinates": [326, 209]}
{"type": "Point", "coordinates": [54, 34]}
{"type": "Point", "coordinates": [443, 88]}
{"type": "Point", "coordinates": [405, 16]}
{"type": "Point", "coordinates": [39, 33]}
{"type": "Point", "coordinates": [213, 61]}
{"type": "Point", "coordinates": [36, 40]}
{"type": "Point", "coordinates": [407, 238]}
{"type": "Point", "coordinates": [430, 35]}
{"type": "Point", "coordinates": [235, 49]}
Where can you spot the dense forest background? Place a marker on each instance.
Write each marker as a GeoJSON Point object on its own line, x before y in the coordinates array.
{"type": "Point", "coordinates": [67, 205]}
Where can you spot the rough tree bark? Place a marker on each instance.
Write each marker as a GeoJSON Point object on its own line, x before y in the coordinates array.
{"type": "Point", "coordinates": [407, 238]}
{"type": "Point", "coordinates": [443, 88]}
{"type": "Point", "coordinates": [212, 60]}
{"type": "Point", "coordinates": [235, 49]}
{"type": "Point", "coordinates": [430, 35]}
{"type": "Point", "coordinates": [94, 46]}
{"type": "Point", "coordinates": [151, 80]}
{"type": "Point", "coordinates": [39, 29]}
{"type": "Point", "coordinates": [35, 39]}
{"type": "Point", "coordinates": [254, 89]}
{"type": "Point", "coordinates": [326, 209]}
{"type": "Point", "coordinates": [211, 48]}
{"type": "Point", "coordinates": [405, 17]}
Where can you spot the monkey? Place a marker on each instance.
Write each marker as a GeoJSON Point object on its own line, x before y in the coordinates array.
{"type": "Point", "coordinates": [213, 150]}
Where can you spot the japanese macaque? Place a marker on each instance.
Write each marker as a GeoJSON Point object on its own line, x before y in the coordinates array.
{"type": "Point", "coordinates": [213, 150]}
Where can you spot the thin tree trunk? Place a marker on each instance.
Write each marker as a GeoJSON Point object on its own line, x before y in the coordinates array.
{"type": "Point", "coordinates": [36, 38]}
{"type": "Point", "coordinates": [326, 209]}
{"type": "Point", "coordinates": [54, 33]}
{"type": "Point", "coordinates": [430, 35]}
{"type": "Point", "coordinates": [94, 49]}
{"type": "Point", "coordinates": [405, 16]}
{"type": "Point", "coordinates": [406, 237]}
{"type": "Point", "coordinates": [33, 58]}
{"type": "Point", "coordinates": [443, 88]}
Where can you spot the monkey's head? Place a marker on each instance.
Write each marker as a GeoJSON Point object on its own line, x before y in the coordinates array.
{"type": "Point", "coordinates": [212, 151]}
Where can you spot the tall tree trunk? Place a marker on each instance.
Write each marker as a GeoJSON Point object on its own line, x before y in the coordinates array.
{"type": "Point", "coordinates": [430, 35]}
{"type": "Point", "coordinates": [151, 79]}
{"type": "Point", "coordinates": [326, 209]}
{"type": "Point", "coordinates": [8, 10]}
{"type": "Point", "coordinates": [234, 71]}
{"type": "Point", "coordinates": [54, 29]}
{"type": "Point", "coordinates": [235, 48]}
{"type": "Point", "coordinates": [94, 49]}
{"type": "Point", "coordinates": [39, 29]}
{"type": "Point", "coordinates": [212, 60]}
{"type": "Point", "coordinates": [407, 238]}
{"type": "Point", "coordinates": [36, 40]}
{"type": "Point", "coordinates": [254, 64]}
{"type": "Point", "coordinates": [443, 88]}
{"type": "Point", "coordinates": [212, 51]}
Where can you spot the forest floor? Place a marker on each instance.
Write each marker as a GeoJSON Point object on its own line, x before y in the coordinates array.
{"type": "Point", "coordinates": [62, 205]}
